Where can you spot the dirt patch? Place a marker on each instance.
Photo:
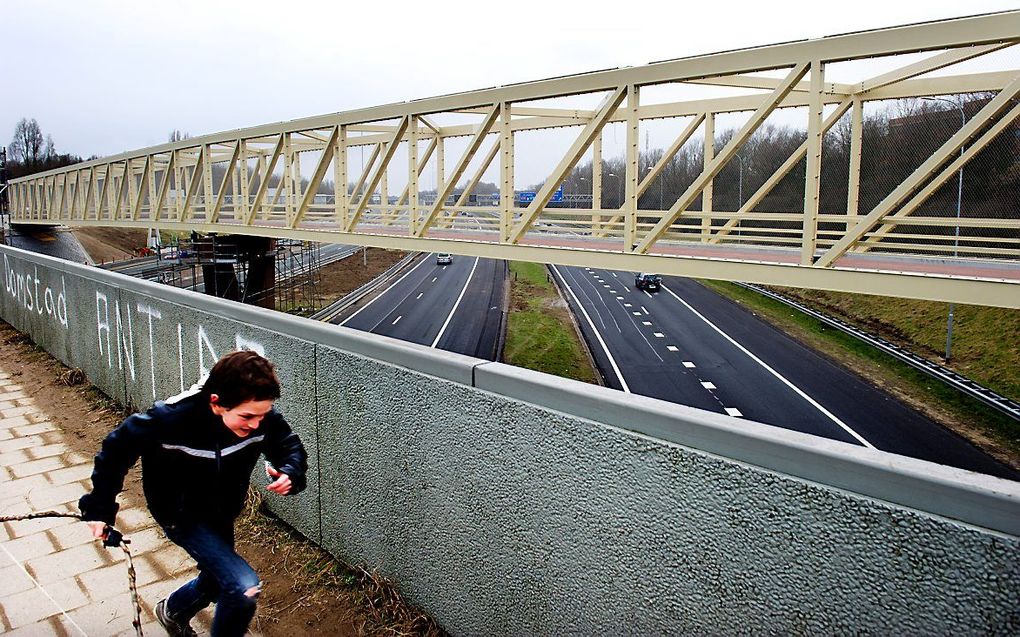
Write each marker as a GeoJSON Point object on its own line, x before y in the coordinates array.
{"type": "Point", "coordinates": [110, 244]}
{"type": "Point", "coordinates": [306, 591]}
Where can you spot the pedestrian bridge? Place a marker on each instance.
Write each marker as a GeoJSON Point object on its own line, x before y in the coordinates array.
{"type": "Point", "coordinates": [880, 162]}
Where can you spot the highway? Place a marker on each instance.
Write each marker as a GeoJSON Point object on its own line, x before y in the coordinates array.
{"type": "Point", "coordinates": [689, 345]}
{"type": "Point", "coordinates": [457, 307]}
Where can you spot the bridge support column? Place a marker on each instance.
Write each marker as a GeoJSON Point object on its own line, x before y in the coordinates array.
{"type": "Point", "coordinates": [260, 285]}
{"type": "Point", "coordinates": [220, 258]}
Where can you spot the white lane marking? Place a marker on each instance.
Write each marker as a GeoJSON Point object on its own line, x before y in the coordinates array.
{"type": "Point", "coordinates": [594, 330]}
{"type": "Point", "coordinates": [44, 591]}
{"type": "Point", "coordinates": [769, 369]}
{"type": "Point", "coordinates": [614, 274]}
{"type": "Point", "coordinates": [644, 309]}
{"type": "Point", "coordinates": [733, 411]}
{"type": "Point", "coordinates": [583, 285]}
{"type": "Point", "coordinates": [647, 293]}
{"type": "Point", "coordinates": [707, 384]}
{"type": "Point", "coordinates": [625, 304]}
{"type": "Point", "coordinates": [689, 365]}
{"type": "Point", "coordinates": [636, 313]}
{"type": "Point", "coordinates": [620, 298]}
{"type": "Point", "coordinates": [646, 322]}
{"type": "Point", "coordinates": [419, 296]}
{"type": "Point", "coordinates": [612, 291]}
{"type": "Point", "coordinates": [673, 348]}
{"type": "Point", "coordinates": [397, 319]}
{"type": "Point", "coordinates": [659, 335]}
{"type": "Point", "coordinates": [395, 283]}
{"type": "Point", "coordinates": [605, 285]}
{"type": "Point", "coordinates": [433, 279]}
{"type": "Point", "coordinates": [626, 289]}
{"type": "Point", "coordinates": [455, 305]}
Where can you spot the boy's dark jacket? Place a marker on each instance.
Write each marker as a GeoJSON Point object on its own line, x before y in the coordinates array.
{"type": "Point", "coordinates": [193, 467]}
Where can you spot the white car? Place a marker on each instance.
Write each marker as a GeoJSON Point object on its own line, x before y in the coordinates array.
{"type": "Point", "coordinates": [443, 258]}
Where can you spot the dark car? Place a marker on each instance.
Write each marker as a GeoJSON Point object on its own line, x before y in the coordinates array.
{"type": "Point", "coordinates": [649, 282]}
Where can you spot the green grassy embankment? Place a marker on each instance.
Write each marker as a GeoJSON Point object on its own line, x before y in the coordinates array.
{"type": "Point", "coordinates": [986, 348]}
{"type": "Point", "coordinates": [539, 333]}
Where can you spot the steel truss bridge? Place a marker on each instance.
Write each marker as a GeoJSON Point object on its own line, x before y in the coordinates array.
{"type": "Point", "coordinates": [278, 180]}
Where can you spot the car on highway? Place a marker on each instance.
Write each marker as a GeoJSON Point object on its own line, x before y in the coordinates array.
{"type": "Point", "coordinates": [443, 258]}
{"type": "Point", "coordinates": [648, 282]}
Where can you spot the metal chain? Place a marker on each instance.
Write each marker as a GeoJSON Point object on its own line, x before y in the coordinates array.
{"type": "Point", "coordinates": [114, 538]}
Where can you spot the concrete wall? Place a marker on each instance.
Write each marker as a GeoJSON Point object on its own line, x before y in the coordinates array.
{"type": "Point", "coordinates": [509, 502]}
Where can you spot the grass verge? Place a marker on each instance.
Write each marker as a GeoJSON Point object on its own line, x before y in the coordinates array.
{"type": "Point", "coordinates": [539, 333]}
{"type": "Point", "coordinates": [994, 432]}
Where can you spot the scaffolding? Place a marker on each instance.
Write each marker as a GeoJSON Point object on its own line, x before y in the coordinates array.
{"type": "Point", "coordinates": [238, 269]}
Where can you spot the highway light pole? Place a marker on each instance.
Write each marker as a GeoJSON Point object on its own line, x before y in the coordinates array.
{"type": "Point", "coordinates": [740, 187]}
{"type": "Point", "coordinates": [619, 179]}
{"type": "Point", "coordinates": [959, 201]}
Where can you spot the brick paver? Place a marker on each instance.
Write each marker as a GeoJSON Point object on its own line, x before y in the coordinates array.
{"type": "Point", "coordinates": [54, 579]}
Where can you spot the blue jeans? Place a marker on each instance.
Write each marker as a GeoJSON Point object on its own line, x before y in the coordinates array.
{"type": "Point", "coordinates": [224, 577]}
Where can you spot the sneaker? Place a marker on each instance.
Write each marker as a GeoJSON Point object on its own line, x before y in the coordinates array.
{"type": "Point", "coordinates": [172, 627]}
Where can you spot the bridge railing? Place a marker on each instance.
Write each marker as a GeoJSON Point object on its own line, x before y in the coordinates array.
{"type": "Point", "coordinates": [825, 163]}
{"type": "Point", "coordinates": [504, 501]}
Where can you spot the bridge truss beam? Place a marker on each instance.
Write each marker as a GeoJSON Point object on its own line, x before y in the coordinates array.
{"type": "Point", "coordinates": [250, 181]}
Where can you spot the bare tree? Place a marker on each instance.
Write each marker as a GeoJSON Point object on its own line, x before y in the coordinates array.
{"type": "Point", "coordinates": [27, 145]}
{"type": "Point", "coordinates": [178, 135]}
{"type": "Point", "coordinates": [51, 150]}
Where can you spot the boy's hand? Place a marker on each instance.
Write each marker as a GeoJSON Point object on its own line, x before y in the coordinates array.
{"type": "Point", "coordinates": [98, 529]}
{"type": "Point", "coordinates": [281, 485]}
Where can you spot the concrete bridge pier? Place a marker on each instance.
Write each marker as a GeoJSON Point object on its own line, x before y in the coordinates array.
{"type": "Point", "coordinates": [220, 258]}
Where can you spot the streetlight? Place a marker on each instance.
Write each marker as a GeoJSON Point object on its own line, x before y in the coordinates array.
{"type": "Point", "coordinates": [740, 187]}
{"type": "Point", "coordinates": [619, 179]}
{"type": "Point", "coordinates": [959, 200]}
{"type": "Point", "coordinates": [662, 181]}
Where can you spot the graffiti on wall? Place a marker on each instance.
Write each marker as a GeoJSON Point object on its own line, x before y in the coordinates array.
{"type": "Point", "coordinates": [125, 334]}
{"type": "Point", "coordinates": [24, 288]}
{"type": "Point", "coordinates": [116, 338]}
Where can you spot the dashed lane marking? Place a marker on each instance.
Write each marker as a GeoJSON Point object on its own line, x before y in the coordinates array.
{"type": "Point", "coordinates": [419, 296]}
{"type": "Point", "coordinates": [637, 313]}
{"type": "Point", "coordinates": [672, 348]}
{"type": "Point", "coordinates": [620, 298]}
{"type": "Point", "coordinates": [707, 384]}
{"type": "Point", "coordinates": [434, 279]}
{"type": "Point", "coordinates": [644, 309]}
{"type": "Point", "coordinates": [769, 369]}
{"type": "Point", "coordinates": [659, 335]}
{"type": "Point", "coordinates": [397, 319]}
{"type": "Point", "coordinates": [733, 411]}
{"type": "Point", "coordinates": [395, 284]}
{"type": "Point", "coordinates": [625, 304]}
{"type": "Point", "coordinates": [689, 365]}
{"type": "Point", "coordinates": [646, 322]}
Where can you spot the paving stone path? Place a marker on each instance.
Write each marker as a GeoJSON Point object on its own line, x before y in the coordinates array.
{"type": "Point", "coordinates": [54, 578]}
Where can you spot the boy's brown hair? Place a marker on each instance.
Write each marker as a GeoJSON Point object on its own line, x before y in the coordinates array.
{"type": "Point", "coordinates": [242, 376]}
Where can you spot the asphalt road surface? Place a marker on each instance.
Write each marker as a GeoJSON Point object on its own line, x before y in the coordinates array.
{"type": "Point", "coordinates": [54, 242]}
{"type": "Point", "coordinates": [688, 345]}
{"type": "Point", "coordinates": [457, 307]}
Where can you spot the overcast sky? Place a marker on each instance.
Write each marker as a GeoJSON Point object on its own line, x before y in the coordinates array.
{"type": "Point", "coordinates": [106, 76]}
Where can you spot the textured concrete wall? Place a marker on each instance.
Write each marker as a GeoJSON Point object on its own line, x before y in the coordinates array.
{"type": "Point", "coordinates": [509, 502]}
